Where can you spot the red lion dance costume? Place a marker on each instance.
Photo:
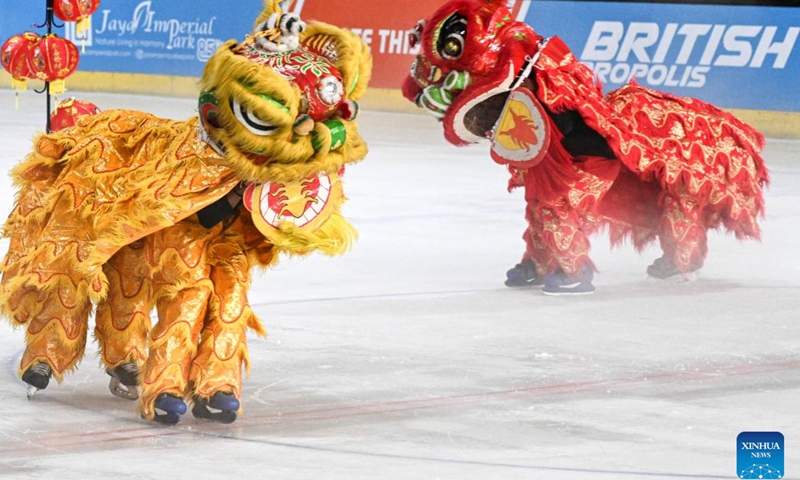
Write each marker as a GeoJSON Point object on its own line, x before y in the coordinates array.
{"type": "Point", "coordinates": [130, 212]}
{"type": "Point", "coordinates": [645, 164]}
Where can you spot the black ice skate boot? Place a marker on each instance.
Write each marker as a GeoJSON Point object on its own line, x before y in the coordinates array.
{"type": "Point", "coordinates": [124, 381]}
{"type": "Point", "coordinates": [221, 407]}
{"type": "Point", "coordinates": [37, 376]}
{"type": "Point", "coordinates": [169, 409]}
{"type": "Point", "coordinates": [523, 275]}
{"type": "Point", "coordinates": [561, 284]}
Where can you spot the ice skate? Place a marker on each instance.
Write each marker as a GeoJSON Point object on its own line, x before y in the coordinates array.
{"type": "Point", "coordinates": [124, 381]}
{"type": "Point", "coordinates": [663, 268]}
{"type": "Point", "coordinates": [523, 275]}
{"type": "Point", "coordinates": [221, 407]}
{"type": "Point", "coordinates": [37, 376]}
{"type": "Point", "coordinates": [168, 409]}
{"type": "Point", "coordinates": [578, 284]}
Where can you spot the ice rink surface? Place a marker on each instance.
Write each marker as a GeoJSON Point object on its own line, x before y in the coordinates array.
{"type": "Point", "coordinates": [407, 358]}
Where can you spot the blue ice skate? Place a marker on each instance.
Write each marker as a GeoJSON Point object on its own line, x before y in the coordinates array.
{"type": "Point", "coordinates": [169, 409]}
{"type": "Point", "coordinates": [523, 275]}
{"type": "Point", "coordinates": [221, 407]}
{"type": "Point", "coordinates": [579, 284]}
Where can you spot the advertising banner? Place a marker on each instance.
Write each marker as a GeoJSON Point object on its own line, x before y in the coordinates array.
{"type": "Point", "coordinates": [163, 37]}
{"type": "Point", "coordinates": [383, 25]}
{"type": "Point", "coordinates": [732, 56]}
{"type": "Point", "coordinates": [726, 55]}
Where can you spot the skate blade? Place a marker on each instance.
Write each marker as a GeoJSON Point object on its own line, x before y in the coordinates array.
{"type": "Point", "coordinates": [31, 391]}
{"type": "Point", "coordinates": [566, 293]}
{"type": "Point", "coordinates": [166, 418]}
{"type": "Point", "coordinates": [216, 415]}
{"type": "Point", "coordinates": [677, 278]}
{"type": "Point", "coordinates": [523, 286]}
{"type": "Point", "coordinates": [121, 390]}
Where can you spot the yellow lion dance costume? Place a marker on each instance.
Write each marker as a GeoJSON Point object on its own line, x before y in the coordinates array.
{"type": "Point", "coordinates": [131, 212]}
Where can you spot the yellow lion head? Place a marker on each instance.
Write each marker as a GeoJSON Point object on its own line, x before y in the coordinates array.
{"type": "Point", "coordinates": [281, 114]}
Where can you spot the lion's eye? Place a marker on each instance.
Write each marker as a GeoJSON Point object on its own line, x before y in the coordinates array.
{"type": "Point", "coordinates": [330, 90]}
{"type": "Point", "coordinates": [452, 48]}
{"type": "Point", "coordinates": [251, 122]}
{"type": "Point", "coordinates": [451, 37]}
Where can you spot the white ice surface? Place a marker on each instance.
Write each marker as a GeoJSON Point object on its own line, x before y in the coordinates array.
{"type": "Point", "coordinates": [407, 358]}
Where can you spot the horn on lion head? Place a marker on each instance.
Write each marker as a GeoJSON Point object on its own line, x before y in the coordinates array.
{"type": "Point", "coordinates": [274, 6]}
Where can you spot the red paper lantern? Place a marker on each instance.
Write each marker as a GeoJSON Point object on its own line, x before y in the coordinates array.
{"type": "Point", "coordinates": [14, 56]}
{"type": "Point", "coordinates": [74, 10]}
{"type": "Point", "coordinates": [68, 111]}
{"type": "Point", "coordinates": [53, 59]}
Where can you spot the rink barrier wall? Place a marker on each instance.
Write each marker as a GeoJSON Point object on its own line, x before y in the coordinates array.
{"type": "Point", "coordinates": [774, 124]}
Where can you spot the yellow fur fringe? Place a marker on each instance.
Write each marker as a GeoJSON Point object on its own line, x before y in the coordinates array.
{"type": "Point", "coordinates": [335, 237]}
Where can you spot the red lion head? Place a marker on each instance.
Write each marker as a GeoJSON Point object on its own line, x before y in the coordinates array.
{"type": "Point", "coordinates": [471, 53]}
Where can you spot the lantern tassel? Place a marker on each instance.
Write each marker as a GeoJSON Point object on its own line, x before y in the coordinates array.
{"type": "Point", "coordinates": [57, 87]}
{"type": "Point", "coordinates": [18, 84]}
{"type": "Point", "coordinates": [82, 25]}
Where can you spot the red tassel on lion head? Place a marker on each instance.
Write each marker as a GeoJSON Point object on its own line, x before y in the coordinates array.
{"type": "Point", "coordinates": [471, 53]}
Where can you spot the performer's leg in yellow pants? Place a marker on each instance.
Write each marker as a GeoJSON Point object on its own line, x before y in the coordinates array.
{"type": "Point", "coordinates": [198, 347]}
{"type": "Point", "coordinates": [123, 318]}
{"type": "Point", "coordinates": [55, 338]}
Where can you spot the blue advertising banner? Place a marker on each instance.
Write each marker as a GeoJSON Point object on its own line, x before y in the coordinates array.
{"type": "Point", "coordinates": [165, 37]}
{"type": "Point", "coordinates": [732, 56]}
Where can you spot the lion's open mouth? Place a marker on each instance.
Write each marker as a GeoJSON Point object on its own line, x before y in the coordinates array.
{"type": "Point", "coordinates": [478, 108]}
{"type": "Point", "coordinates": [482, 117]}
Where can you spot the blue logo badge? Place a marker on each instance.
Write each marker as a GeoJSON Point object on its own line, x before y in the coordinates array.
{"type": "Point", "coordinates": [759, 455]}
